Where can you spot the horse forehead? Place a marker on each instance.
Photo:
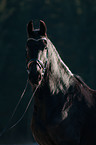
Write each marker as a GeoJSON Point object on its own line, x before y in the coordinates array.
{"type": "Point", "coordinates": [36, 34]}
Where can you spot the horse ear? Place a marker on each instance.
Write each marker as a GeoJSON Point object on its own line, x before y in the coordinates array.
{"type": "Point", "coordinates": [43, 28]}
{"type": "Point", "coordinates": [30, 28]}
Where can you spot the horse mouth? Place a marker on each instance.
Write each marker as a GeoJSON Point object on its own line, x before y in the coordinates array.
{"type": "Point", "coordinates": [35, 78]}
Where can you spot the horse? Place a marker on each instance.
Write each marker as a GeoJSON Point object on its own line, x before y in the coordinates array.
{"type": "Point", "coordinates": [64, 106]}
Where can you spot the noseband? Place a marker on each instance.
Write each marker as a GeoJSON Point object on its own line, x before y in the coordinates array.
{"type": "Point", "coordinates": [37, 61]}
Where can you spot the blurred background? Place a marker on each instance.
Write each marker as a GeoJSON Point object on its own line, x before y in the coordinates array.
{"type": "Point", "coordinates": [71, 27]}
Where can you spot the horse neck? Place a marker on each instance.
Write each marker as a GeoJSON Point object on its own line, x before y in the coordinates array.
{"type": "Point", "coordinates": [59, 75]}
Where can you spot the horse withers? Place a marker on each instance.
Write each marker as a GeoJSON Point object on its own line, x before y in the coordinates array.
{"type": "Point", "coordinates": [64, 106]}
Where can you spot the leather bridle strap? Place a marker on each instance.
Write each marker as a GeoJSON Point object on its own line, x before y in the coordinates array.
{"type": "Point", "coordinates": [37, 39]}
{"type": "Point", "coordinates": [39, 62]}
{"type": "Point", "coordinates": [9, 121]}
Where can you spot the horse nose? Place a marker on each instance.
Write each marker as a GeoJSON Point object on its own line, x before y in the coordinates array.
{"type": "Point", "coordinates": [34, 73]}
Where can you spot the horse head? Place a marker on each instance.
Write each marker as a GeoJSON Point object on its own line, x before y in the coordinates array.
{"type": "Point", "coordinates": [37, 52]}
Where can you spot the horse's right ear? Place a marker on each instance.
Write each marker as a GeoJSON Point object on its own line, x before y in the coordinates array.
{"type": "Point", "coordinates": [30, 28]}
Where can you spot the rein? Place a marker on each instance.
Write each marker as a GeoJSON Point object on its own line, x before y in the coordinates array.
{"type": "Point", "coordinates": [26, 108]}
{"type": "Point", "coordinates": [7, 126]}
{"type": "Point", "coordinates": [43, 66]}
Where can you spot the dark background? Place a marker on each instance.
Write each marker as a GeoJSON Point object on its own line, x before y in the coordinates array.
{"type": "Point", "coordinates": [71, 26]}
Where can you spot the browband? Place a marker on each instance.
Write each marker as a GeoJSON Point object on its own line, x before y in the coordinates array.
{"type": "Point", "coordinates": [37, 39]}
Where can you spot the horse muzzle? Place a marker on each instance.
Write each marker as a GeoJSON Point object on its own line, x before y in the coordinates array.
{"type": "Point", "coordinates": [35, 69]}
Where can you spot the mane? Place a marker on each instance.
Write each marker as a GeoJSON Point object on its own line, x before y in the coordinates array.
{"type": "Point", "coordinates": [58, 56]}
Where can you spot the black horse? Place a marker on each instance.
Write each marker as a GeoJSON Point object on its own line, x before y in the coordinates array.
{"type": "Point", "coordinates": [64, 106]}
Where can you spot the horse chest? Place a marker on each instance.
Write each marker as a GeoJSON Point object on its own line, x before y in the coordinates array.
{"type": "Point", "coordinates": [39, 130]}
{"type": "Point", "coordinates": [44, 115]}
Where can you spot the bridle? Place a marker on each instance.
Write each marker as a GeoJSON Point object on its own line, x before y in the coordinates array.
{"type": "Point", "coordinates": [37, 61]}
{"type": "Point", "coordinates": [43, 66]}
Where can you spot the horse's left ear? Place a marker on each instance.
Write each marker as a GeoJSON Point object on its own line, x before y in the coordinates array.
{"type": "Point", "coordinates": [43, 28]}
